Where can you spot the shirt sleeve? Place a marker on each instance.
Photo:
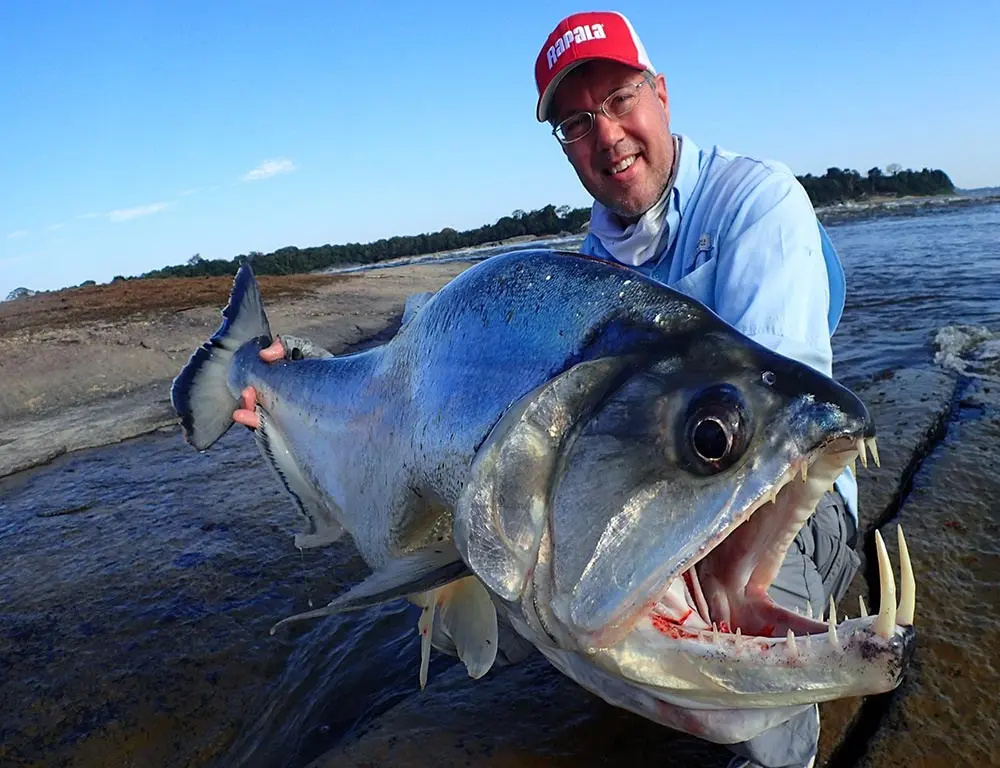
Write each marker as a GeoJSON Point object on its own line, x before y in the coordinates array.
{"type": "Point", "coordinates": [771, 279]}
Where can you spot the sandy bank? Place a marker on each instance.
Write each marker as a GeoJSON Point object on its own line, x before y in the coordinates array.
{"type": "Point", "coordinates": [91, 366]}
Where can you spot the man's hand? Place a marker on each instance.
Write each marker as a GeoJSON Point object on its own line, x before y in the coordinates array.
{"type": "Point", "coordinates": [246, 414]}
{"type": "Point", "coordinates": [274, 352]}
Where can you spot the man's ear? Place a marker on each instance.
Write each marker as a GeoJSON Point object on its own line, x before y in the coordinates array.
{"type": "Point", "coordinates": [661, 93]}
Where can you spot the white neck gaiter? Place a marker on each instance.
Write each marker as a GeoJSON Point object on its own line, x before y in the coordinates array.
{"type": "Point", "coordinates": [640, 241]}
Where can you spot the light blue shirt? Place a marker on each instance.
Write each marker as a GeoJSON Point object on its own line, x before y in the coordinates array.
{"type": "Point", "coordinates": [743, 239]}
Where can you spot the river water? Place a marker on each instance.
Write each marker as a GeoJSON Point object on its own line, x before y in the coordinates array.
{"type": "Point", "coordinates": [138, 582]}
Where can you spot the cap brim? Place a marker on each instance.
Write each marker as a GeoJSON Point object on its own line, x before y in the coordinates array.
{"type": "Point", "coordinates": [545, 100]}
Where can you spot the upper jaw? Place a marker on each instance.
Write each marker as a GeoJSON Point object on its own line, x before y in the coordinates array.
{"type": "Point", "coordinates": [728, 578]}
{"type": "Point", "coordinates": [599, 616]}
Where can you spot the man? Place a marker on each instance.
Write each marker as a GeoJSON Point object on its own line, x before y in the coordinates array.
{"type": "Point", "coordinates": [738, 234]}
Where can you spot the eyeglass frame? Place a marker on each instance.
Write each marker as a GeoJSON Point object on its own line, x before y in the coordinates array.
{"type": "Point", "coordinates": [647, 78]}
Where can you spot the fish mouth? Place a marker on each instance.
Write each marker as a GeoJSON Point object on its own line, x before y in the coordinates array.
{"type": "Point", "coordinates": [714, 637]}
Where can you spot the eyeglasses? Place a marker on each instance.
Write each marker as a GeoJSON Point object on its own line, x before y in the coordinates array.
{"type": "Point", "coordinates": [617, 105]}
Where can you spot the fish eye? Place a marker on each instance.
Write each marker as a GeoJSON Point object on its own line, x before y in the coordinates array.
{"type": "Point", "coordinates": [716, 431]}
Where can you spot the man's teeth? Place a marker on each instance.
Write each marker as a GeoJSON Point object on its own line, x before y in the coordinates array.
{"type": "Point", "coordinates": [623, 165]}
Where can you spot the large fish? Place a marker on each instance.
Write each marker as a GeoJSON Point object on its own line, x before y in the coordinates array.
{"type": "Point", "coordinates": [557, 450]}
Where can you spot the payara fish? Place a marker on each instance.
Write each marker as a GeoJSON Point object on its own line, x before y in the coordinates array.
{"type": "Point", "coordinates": [558, 453]}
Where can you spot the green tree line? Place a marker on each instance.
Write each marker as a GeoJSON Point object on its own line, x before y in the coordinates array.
{"type": "Point", "coordinates": [549, 220]}
{"type": "Point", "coordinates": [845, 185]}
{"type": "Point", "coordinates": [836, 185]}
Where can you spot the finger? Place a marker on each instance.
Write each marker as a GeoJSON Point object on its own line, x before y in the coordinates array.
{"type": "Point", "coordinates": [248, 399]}
{"type": "Point", "coordinates": [247, 418]}
{"type": "Point", "coordinates": [274, 352]}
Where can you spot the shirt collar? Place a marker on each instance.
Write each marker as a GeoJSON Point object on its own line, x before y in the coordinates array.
{"type": "Point", "coordinates": [686, 171]}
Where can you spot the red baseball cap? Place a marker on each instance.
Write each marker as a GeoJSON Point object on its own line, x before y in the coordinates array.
{"type": "Point", "coordinates": [582, 37]}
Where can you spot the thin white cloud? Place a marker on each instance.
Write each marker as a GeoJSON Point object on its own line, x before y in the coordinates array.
{"type": "Point", "coordinates": [125, 214]}
{"type": "Point", "coordinates": [187, 192]}
{"type": "Point", "coordinates": [269, 168]}
{"type": "Point", "coordinates": [18, 234]}
{"type": "Point", "coordinates": [90, 215]}
{"type": "Point", "coordinates": [54, 227]}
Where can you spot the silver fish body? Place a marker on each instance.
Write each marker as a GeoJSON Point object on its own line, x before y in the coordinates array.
{"type": "Point", "coordinates": [558, 446]}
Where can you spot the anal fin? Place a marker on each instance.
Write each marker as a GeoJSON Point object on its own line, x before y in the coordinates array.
{"type": "Point", "coordinates": [321, 517]}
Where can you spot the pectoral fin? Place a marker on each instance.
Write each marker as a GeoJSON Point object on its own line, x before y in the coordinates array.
{"type": "Point", "coordinates": [459, 619]}
{"type": "Point", "coordinates": [420, 571]}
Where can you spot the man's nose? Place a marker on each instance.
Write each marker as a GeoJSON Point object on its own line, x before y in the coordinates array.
{"type": "Point", "coordinates": [608, 132]}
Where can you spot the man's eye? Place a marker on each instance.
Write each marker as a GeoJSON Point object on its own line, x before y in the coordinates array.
{"type": "Point", "coordinates": [621, 102]}
{"type": "Point", "coordinates": [574, 126]}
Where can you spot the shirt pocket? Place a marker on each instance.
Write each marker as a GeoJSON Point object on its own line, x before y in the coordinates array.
{"type": "Point", "coordinates": [699, 284]}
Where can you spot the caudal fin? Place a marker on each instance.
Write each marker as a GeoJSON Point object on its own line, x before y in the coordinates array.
{"type": "Point", "coordinates": [200, 394]}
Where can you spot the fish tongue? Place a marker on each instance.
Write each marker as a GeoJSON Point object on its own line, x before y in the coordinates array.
{"type": "Point", "coordinates": [758, 615]}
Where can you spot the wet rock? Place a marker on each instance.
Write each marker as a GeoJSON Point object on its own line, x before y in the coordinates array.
{"type": "Point", "coordinates": [911, 410]}
{"type": "Point", "coordinates": [945, 713]}
{"type": "Point", "coordinates": [32, 441]}
{"type": "Point", "coordinates": [138, 585]}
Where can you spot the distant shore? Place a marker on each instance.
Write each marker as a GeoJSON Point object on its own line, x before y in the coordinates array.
{"type": "Point", "coordinates": [895, 206]}
{"type": "Point", "coordinates": [828, 214]}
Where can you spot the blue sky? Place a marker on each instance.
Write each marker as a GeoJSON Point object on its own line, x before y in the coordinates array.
{"type": "Point", "coordinates": [136, 134]}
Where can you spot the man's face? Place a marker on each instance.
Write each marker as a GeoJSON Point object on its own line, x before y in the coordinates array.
{"type": "Point", "coordinates": [601, 158]}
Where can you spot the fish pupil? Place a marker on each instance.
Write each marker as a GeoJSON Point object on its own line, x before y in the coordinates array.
{"type": "Point", "coordinates": [711, 439]}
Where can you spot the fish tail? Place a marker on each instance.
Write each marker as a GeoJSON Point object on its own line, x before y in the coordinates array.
{"type": "Point", "coordinates": [200, 394]}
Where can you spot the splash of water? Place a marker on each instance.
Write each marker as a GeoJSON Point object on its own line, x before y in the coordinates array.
{"type": "Point", "coordinates": [971, 350]}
